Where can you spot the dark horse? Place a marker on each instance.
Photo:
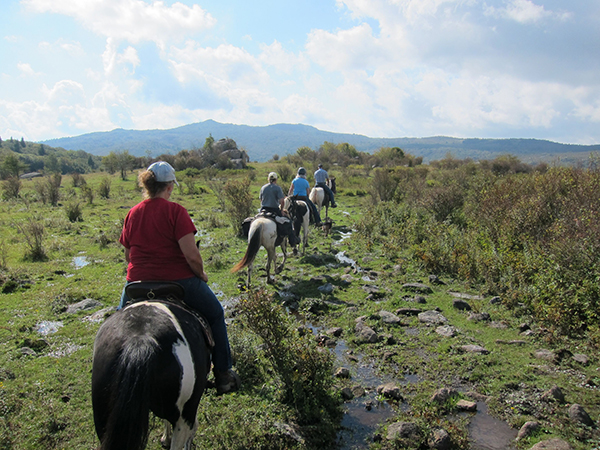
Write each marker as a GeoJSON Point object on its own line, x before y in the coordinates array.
{"type": "Point", "coordinates": [149, 356]}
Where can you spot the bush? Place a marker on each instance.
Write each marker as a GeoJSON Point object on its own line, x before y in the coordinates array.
{"type": "Point", "coordinates": [104, 188]}
{"type": "Point", "coordinates": [74, 212]}
{"type": "Point", "coordinates": [239, 202]}
{"type": "Point", "coordinates": [33, 231]}
{"type": "Point", "coordinates": [11, 188]}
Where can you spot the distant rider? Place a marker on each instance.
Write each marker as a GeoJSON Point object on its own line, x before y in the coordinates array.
{"type": "Point", "coordinates": [321, 179]}
{"type": "Point", "coordinates": [272, 200]}
{"type": "Point", "coordinates": [299, 189]}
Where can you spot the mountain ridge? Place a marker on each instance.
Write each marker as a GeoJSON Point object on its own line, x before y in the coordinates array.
{"type": "Point", "coordinates": [263, 142]}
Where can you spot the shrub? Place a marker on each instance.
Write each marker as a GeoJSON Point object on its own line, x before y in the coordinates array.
{"type": "Point", "coordinates": [33, 231]}
{"type": "Point", "coordinates": [78, 180]}
{"type": "Point", "coordinates": [87, 193]}
{"type": "Point", "coordinates": [74, 212]}
{"type": "Point", "coordinates": [104, 188]}
{"type": "Point", "coordinates": [239, 202]}
{"type": "Point", "coordinates": [11, 187]}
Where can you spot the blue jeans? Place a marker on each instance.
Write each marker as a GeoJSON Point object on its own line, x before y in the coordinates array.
{"type": "Point", "coordinates": [328, 190]}
{"type": "Point", "coordinates": [200, 297]}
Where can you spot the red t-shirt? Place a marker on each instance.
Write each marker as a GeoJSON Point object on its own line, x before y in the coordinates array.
{"type": "Point", "coordinates": [151, 232]}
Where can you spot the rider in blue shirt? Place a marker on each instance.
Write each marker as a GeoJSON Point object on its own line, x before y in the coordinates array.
{"type": "Point", "coordinates": [321, 178]}
{"type": "Point", "coordinates": [300, 188]}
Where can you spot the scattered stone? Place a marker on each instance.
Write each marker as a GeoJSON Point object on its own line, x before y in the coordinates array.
{"type": "Point", "coordinates": [495, 300]}
{"type": "Point", "coordinates": [83, 305]}
{"type": "Point", "coordinates": [581, 359]}
{"type": "Point", "coordinates": [335, 331]}
{"type": "Point", "coordinates": [546, 355]}
{"type": "Point", "coordinates": [409, 311]}
{"type": "Point", "coordinates": [552, 444]}
{"type": "Point", "coordinates": [466, 405]}
{"type": "Point", "coordinates": [390, 390]}
{"type": "Point", "coordinates": [347, 279]}
{"type": "Point", "coordinates": [100, 315]}
{"type": "Point", "coordinates": [553, 394]}
{"type": "Point", "coordinates": [471, 348]}
{"type": "Point", "coordinates": [347, 394]}
{"type": "Point", "coordinates": [373, 291]}
{"type": "Point", "coordinates": [342, 372]}
{"type": "Point", "coordinates": [366, 334]}
{"type": "Point", "coordinates": [461, 305]}
{"type": "Point", "coordinates": [389, 318]}
{"type": "Point", "coordinates": [434, 279]}
{"type": "Point", "coordinates": [326, 288]}
{"type": "Point", "coordinates": [443, 394]}
{"type": "Point", "coordinates": [499, 325]}
{"type": "Point", "coordinates": [418, 287]}
{"type": "Point", "coordinates": [420, 299]}
{"type": "Point", "coordinates": [465, 296]}
{"type": "Point", "coordinates": [578, 414]}
{"type": "Point", "coordinates": [528, 333]}
{"type": "Point", "coordinates": [404, 430]}
{"type": "Point", "coordinates": [523, 327]}
{"type": "Point", "coordinates": [479, 317]}
{"type": "Point", "coordinates": [432, 317]}
{"type": "Point", "coordinates": [439, 439]}
{"type": "Point", "coordinates": [446, 331]}
{"type": "Point", "coordinates": [527, 429]}
{"type": "Point", "coordinates": [358, 391]}
{"type": "Point", "coordinates": [514, 342]}
{"type": "Point", "coordinates": [27, 351]}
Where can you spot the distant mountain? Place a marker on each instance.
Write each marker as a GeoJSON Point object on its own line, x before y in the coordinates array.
{"type": "Point", "coordinates": [261, 143]}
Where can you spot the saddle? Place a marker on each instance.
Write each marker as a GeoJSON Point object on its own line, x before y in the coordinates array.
{"type": "Point", "coordinates": [283, 223]}
{"type": "Point", "coordinates": [167, 292]}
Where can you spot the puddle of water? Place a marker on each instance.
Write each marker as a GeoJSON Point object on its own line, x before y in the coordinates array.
{"type": "Point", "coordinates": [66, 350]}
{"type": "Point", "coordinates": [47, 327]}
{"type": "Point", "coordinates": [489, 433]}
{"type": "Point", "coordinates": [343, 259]}
{"type": "Point", "coordinates": [80, 261]}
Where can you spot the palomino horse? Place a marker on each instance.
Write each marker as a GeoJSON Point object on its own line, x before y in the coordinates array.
{"type": "Point", "coordinates": [299, 213]}
{"type": "Point", "coordinates": [149, 356]}
{"type": "Point", "coordinates": [320, 199]}
{"type": "Point", "coordinates": [263, 233]}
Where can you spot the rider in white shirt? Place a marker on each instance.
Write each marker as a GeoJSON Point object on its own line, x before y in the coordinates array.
{"type": "Point", "coordinates": [321, 178]}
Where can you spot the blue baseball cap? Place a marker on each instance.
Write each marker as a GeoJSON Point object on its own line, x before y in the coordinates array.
{"type": "Point", "coordinates": [163, 171]}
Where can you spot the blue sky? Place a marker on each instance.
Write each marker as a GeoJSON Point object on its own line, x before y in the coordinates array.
{"type": "Point", "coordinates": [382, 68]}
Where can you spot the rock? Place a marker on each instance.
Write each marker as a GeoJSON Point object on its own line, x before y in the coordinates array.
{"type": "Point", "coordinates": [446, 331]}
{"type": "Point", "coordinates": [439, 439]}
{"type": "Point", "coordinates": [418, 287]}
{"type": "Point", "coordinates": [527, 429]}
{"type": "Point", "coordinates": [335, 331]}
{"type": "Point", "coordinates": [466, 405]}
{"type": "Point", "coordinates": [358, 391]}
{"type": "Point", "coordinates": [434, 279]}
{"type": "Point", "coordinates": [405, 430]}
{"type": "Point", "coordinates": [578, 414]}
{"type": "Point", "coordinates": [465, 296]}
{"type": "Point", "coordinates": [495, 300]}
{"type": "Point", "coordinates": [366, 334]}
{"type": "Point", "coordinates": [389, 390]}
{"type": "Point", "coordinates": [83, 305]}
{"type": "Point", "coordinates": [409, 311]}
{"type": "Point", "coordinates": [326, 289]}
{"type": "Point", "coordinates": [523, 327]}
{"type": "Point", "coordinates": [342, 372]}
{"type": "Point", "coordinates": [461, 305]}
{"type": "Point", "coordinates": [347, 394]}
{"type": "Point", "coordinates": [389, 318]}
{"type": "Point", "coordinates": [432, 317]}
{"type": "Point", "coordinates": [420, 299]}
{"type": "Point", "coordinates": [546, 355]}
{"type": "Point", "coordinates": [498, 325]}
{"type": "Point", "coordinates": [515, 342]}
{"type": "Point", "coordinates": [552, 444]}
{"type": "Point", "coordinates": [373, 291]}
{"type": "Point", "coordinates": [581, 359]}
{"type": "Point", "coordinates": [474, 349]}
{"type": "Point", "coordinates": [479, 317]}
{"type": "Point", "coordinates": [443, 394]}
{"type": "Point", "coordinates": [554, 393]}
{"type": "Point", "coordinates": [100, 315]}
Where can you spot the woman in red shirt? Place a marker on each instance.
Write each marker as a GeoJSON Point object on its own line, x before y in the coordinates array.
{"type": "Point", "coordinates": [158, 236]}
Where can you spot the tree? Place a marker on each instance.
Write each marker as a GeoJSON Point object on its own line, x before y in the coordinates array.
{"type": "Point", "coordinates": [125, 162]}
{"type": "Point", "coordinates": [51, 164]}
{"type": "Point", "coordinates": [110, 162]}
{"type": "Point", "coordinates": [13, 166]}
{"type": "Point", "coordinates": [23, 142]}
{"type": "Point", "coordinates": [42, 150]}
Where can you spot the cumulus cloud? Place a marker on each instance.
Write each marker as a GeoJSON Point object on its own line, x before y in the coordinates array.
{"type": "Point", "coordinates": [25, 69]}
{"type": "Point", "coordinates": [131, 20]}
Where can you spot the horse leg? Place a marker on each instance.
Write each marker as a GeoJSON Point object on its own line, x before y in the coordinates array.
{"type": "Point", "coordinates": [271, 257]}
{"type": "Point", "coordinates": [283, 248]}
{"type": "Point", "coordinates": [183, 435]}
{"type": "Point", "coordinates": [305, 226]}
{"type": "Point", "coordinates": [249, 274]}
{"type": "Point", "coordinates": [166, 439]}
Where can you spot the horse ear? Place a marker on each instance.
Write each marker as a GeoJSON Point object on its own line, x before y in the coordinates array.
{"type": "Point", "coordinates": [198, 244]}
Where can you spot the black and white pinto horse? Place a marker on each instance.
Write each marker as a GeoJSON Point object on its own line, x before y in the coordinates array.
{"type": "Point", "coordinates": [320, 198]}
{"type": "Point", "coordinates": [299, 213]}
{"type": "Point", "coordinates": [149, 356]}
{"type": "Point", "coordinates": [263, 233]}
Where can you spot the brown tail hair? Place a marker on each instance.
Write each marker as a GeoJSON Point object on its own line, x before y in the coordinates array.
{"type": "Point", "coordinates": [251, 251]}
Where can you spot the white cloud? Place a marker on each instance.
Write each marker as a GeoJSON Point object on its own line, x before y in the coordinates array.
{"type": "Point", "coordinates": [131, 20]}
{"type": "Point", "coordinates": [72, 48]}
{"type": "Point", "coordinates": [525, 11]}
{"type": "Point", "coordinates": [26, 69]}
{"type": "Point", "coordinates": [276, 56]}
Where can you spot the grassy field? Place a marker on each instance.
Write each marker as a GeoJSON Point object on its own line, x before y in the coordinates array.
{"type": "Point", "coordinates": [45, 394]}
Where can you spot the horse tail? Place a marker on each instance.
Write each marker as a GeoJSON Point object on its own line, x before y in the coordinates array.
{"type": "Point", "coordinates": [251, 251]}
{"type": "Point", "coordinates": [127, 426]}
